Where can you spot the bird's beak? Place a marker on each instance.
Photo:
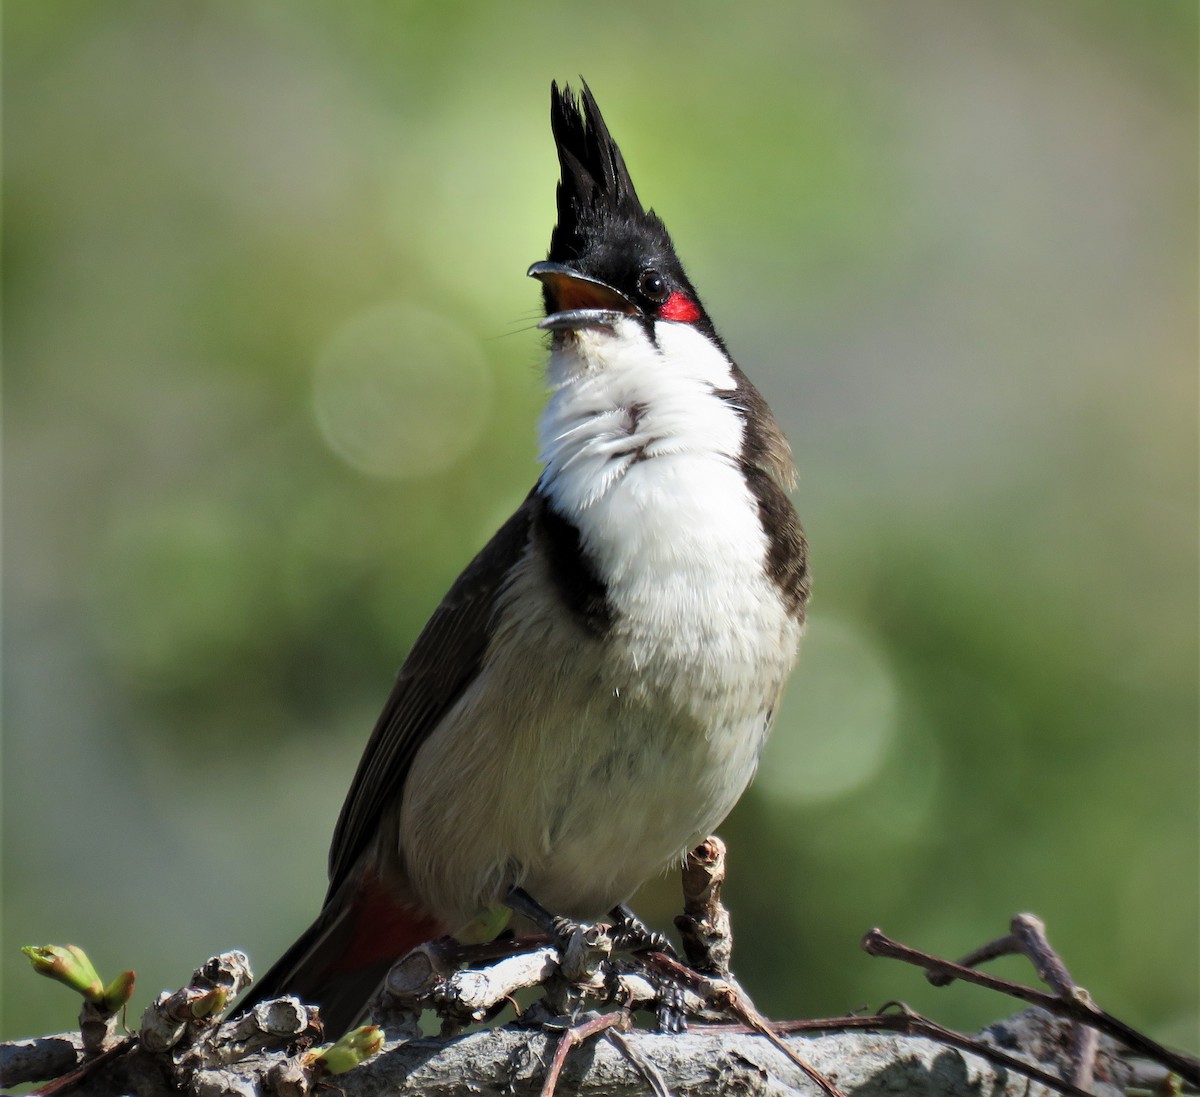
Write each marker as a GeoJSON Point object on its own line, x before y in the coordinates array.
{"type": "Point", "coordinates": [574, 300]}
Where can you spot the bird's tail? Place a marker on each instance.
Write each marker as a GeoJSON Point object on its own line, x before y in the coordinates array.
{"type": "Point", "coordinates": [340, 960]}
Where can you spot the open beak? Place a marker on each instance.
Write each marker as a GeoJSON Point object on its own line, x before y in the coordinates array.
{"type": "Point", "coordinates": [574, 300]}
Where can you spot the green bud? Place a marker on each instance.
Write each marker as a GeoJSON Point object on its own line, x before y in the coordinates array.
{"type": "Point", "coordinates": [358, 1045]}
{"type": "Point", "coordinates": [69, 965]}
{"type": "Point", "coordinates": [210, 1003]}
{"type": "Point", "coordinates": [119, 991]}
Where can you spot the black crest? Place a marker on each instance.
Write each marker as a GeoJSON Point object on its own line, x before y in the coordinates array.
{"type": "Point", "coordinates": [594, 185]}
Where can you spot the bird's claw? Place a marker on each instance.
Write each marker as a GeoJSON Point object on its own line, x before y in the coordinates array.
{"type": "Point", "coordinates": [631, 934]}
{"type": "Point", "coordinates": [669, 1012]}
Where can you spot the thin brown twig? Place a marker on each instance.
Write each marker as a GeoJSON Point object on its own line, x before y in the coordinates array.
{"type": "Point", "coordinates": [576, 1035]}
{"type": "Point", "coordinates": [1027, 937]}
{"type": "Point", "coordinates": [909, 1023]}
{"type": "Point", "coordinates": [729, 996]}
{"type": "Point", "coordinates": [878, 943]}
{"type": "Point", "coordinates": [993, 950]}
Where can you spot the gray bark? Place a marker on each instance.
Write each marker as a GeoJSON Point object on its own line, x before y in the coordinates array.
{"type": "Point", "coordinates": [513, 1060]}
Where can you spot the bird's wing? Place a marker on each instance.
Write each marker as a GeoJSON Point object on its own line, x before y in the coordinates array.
{"type": "Point", "coordinates": [442, 662]}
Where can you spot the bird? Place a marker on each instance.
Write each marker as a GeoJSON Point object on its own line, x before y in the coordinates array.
{"type": "Point", "coordinates": [591, 697]}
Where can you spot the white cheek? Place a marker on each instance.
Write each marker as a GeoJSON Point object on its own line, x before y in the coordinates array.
{"type": "Point", "coordinates": [626, 355]}
{"type": "Point", "coordinates": [693, 355]}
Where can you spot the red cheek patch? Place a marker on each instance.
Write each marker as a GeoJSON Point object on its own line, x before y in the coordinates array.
{"type": "Point", "coordinates": [679, 306]}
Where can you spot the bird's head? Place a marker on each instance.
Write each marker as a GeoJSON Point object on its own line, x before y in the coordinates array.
{"type": "Point", "coordinates": [609, 257]}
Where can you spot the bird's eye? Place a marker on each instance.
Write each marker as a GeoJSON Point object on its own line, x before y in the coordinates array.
{"type": "Point", "coordinates": [652, 285]}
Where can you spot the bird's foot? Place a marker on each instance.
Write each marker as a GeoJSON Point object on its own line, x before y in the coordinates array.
{"type": "Point", "coordinates": [555, 926]}
{"type": "Point", "coordinates": [585, 950]}
{"type": "Point", "coordinates": [631, 934]}
{"type": "Point", "coordinates": [628, 932]}
{"type": "Point", "coordinates": [670, 1014]}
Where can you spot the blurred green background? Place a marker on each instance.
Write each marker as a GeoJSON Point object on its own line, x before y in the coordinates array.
{"type": "Point", "coordinates": [271, 380]}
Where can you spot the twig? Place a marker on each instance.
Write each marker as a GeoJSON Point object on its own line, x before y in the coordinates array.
{"type": "Point", "coordinates": [576, 1035]}
{"type": "Point", "coordinates": [704, 925]}
{"type": "Point", "coordinates": [877, 943]}
{"type": "Point", "coordinates": [731, 997]}
{"type": "Point", "coordinates": [1028, 938]}
{"type": "Point", "coordinates": [993, 950]}
{"type": "Point", "coordinates": [644, 1066]}
{"type": "Point", "coordinates": [909, 1023]}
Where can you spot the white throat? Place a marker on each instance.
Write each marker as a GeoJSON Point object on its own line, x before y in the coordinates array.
{"type": "Point", "coordinates": [643, 456]}
{"type": "Point", "coordinates": [619, 401]}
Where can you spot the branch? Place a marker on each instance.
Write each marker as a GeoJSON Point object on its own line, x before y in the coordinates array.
{"type": "Point", "coordinates": [579, 1037]}
{"type": "Point", "coordinates": [703, 1062]}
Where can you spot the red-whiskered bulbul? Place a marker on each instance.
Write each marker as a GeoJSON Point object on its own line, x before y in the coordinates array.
{"type": "Point", "coordinates": [590, 698]}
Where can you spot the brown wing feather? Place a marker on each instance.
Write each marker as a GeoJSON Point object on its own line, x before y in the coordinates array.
{"type": "Point", "coordinates": [441, 663]}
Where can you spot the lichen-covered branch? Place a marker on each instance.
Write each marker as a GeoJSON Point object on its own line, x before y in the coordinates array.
{"type": "Point", "coordinates": [581, 1038]}
{"type": "Point", "coordinates": [514, 1060]}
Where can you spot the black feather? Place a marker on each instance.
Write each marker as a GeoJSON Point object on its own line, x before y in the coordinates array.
{"type": "Point", "coordinates": [594, 186]}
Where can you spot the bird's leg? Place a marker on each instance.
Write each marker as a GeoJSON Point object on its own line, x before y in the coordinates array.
{"type": "Point", "coordinates": [558, 928]}
{"type": "Point", "coordinates": [581, 951]}
{"type": "Point", "coordinates": [631, 934]}
{"type": "Point", "coordinates": [583, 955]}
